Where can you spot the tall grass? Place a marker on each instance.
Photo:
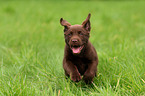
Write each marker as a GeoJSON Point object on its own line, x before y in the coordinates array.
{"type": "Point", "coordinates": [32, 45]}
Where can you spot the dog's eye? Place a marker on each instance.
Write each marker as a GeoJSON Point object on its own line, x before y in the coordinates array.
{"type": "Point", "coordinates": [80, 33]}
{"type": "Point", "coordinates": [69, 34]}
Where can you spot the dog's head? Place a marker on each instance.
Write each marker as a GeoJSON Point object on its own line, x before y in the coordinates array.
{"type": "Point", "coordinates": [76, 36]}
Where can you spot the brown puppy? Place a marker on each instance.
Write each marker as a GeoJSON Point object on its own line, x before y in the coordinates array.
{"type": "Point", "coordinates": [80, 57]}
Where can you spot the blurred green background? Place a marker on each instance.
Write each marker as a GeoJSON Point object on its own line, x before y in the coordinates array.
{"type": "Point", "coordinates": [32, 45]}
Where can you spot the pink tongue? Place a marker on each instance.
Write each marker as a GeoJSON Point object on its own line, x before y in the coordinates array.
{"type": "Point", "coordinates": [76, 50]}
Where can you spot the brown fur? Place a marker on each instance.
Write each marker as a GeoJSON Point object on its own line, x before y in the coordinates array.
{"type": "Point", "coordinates": [80, 57]}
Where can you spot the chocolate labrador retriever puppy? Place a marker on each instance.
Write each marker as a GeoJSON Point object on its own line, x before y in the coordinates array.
{"type": "Point", "coordinates": [80, 57]}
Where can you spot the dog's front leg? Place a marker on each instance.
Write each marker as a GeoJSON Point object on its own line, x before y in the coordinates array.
{"type": "Point", "coordinates": [72, 71]}
{"type": "Point", "coordinates": [90, 72]}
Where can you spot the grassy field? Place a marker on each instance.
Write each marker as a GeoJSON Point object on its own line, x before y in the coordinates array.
{"type": "Point", "coordinates": [32, 45]}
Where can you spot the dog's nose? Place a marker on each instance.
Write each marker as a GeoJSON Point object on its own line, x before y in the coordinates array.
{"type": "Point", "coordinates": [74, 40]}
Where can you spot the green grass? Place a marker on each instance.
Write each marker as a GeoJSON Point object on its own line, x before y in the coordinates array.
{"type": "Point", "coordinates": [32, 45]}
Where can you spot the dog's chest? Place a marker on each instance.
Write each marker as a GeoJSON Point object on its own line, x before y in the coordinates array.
{"type": "Point", "coordinates": [81, 64]}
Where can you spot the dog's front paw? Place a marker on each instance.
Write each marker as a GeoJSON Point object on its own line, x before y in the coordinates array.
{"type": "Point", "coordinates": [88, 78]}
{"type": "Point", "coordinates": [76, 77]}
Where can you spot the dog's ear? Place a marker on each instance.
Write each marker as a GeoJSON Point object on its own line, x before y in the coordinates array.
{"type": "Point", "coordinates": [65, 24]}
{"type": "Point", "coordinates": [86, 24]}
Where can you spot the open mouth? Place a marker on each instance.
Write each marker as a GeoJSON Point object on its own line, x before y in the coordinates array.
{"type": "Point", "coordinates": [77, 49]}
